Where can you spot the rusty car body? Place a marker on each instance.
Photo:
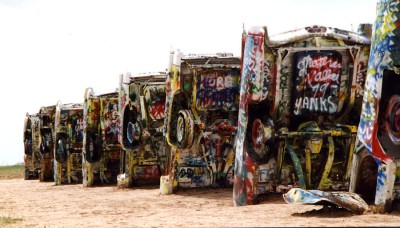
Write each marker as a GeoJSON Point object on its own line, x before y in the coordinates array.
{"type": "Point", "coordinates": [68, 143]}
{"type": "Point", "coordinates": [142, 110]}
{"type": "Point", "coordinates": [300, 101]}
{"type": "Point", "coordinates": [31, 146]}
{"type": "Point", "coordinates": [46, 142]}
{"type": "Point", "coordinates": [101, 147]}
{"type": "Point", "coordinates": [200, 120]}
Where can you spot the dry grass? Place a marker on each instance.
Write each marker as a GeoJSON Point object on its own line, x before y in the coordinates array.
{"type": "Point", "coordinates": [7, 220]}
{"type": "Point", "coordinates": [12, 172]}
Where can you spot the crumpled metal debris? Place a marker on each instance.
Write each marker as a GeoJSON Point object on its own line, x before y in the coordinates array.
{"type": "Point", "coordinates": [347, 200]}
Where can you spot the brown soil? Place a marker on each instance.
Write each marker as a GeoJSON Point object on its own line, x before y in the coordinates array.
{"type": "Point", "coordinates": [34, 204]}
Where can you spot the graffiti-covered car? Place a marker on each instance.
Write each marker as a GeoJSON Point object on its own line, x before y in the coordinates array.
{"type": "Point", "coordinates": [31, 146]}
{"type": "Point", "coordinates": [101, 147]}
{"type": "Point", "coordinates": [201, 118]}
{"type": "Point", "coordinates": [46, 142]}
{"type": "Point", "coordinates": [300, 101]}
{"type": "Point", "coordinates": [68, 143]}
{"type": "Point", "coordinates": [375, 173]}
{"type": "Point", "coordinates": [142, 110]}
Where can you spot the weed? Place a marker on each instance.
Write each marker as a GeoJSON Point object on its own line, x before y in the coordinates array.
{"type": "Point", "coordinates": [9, 220]}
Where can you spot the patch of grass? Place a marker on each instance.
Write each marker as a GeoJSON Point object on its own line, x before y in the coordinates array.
{"type": "Point", "coordinates": [12, 171]}
{"type": "Point", "coordinates": [4, 220]}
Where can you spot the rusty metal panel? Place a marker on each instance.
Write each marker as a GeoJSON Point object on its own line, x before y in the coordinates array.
{"type": "Point", "coordinates": [201, 116]}
{"type": "Point", "coordinates": [101, 148]}
{"type": "Point", "coordinates": [300, 96]}
{"type": "Point", "coordinates": [142, 111]}
{"type": "Point", "coordinates": [68, 143]}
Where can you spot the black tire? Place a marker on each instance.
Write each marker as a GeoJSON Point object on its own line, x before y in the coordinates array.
{"type": "Point", "coordinates": [392, 117]}
{"type": "Point", "coordinates": [26, 176]}
{"type": "Point", "coordinates": [133, 133]}
{"type": "Point", "coordinates": [93, 147]}
{"type": "Point", "coordinates": [185, 129]}
{"type": "Point", "coordinates": [132, 130]}
{"type": "Point", "coordinates": [61, 150]}
{"type": "Point", "coordinates": [367, 178]}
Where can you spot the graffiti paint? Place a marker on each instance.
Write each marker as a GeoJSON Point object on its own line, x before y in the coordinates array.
{"type": "Point", "coordinates": [244, 166]}
{"type": "Point", "coordinates": [378, 118]}
{"type": "Point", "coordinates": [155, 98]}
{"type": "Point", "coordinates": [142, 99]}
{"type": "Point", "coordinates": [111, 120]}
{"type": "Point", "coordinates": [216, 89]}
{"type": "Point", "coordinates": [31, 146]}
{"type": "Point", "coordinates": [101, 147]}
{"type": "Point", "coordinates": [46, 139]}
{"type": "Point", "coordinates": [68, 143]}
{"type": "Point", "coordinates": [201, 120]}
{"type": "Point", "coordinates": [317, 83]}
{"type": "Point", "coordinates": [290, 138]}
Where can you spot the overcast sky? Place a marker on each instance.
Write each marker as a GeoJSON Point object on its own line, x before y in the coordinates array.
{"type": "Point", "coordinates": [52, 50]}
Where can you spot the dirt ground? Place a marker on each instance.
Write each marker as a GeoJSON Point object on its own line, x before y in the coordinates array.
{"type": "Point", "coordinates": [33, 204]}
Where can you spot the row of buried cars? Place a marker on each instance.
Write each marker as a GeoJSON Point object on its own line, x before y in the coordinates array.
{"type": "Point", "coordinates": [302, 113]}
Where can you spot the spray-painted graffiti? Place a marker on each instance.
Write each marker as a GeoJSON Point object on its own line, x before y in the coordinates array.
{"type": "Point", "coordinates": [31, 146]}
{"type": "Point", "coordinates": [255, 67]}
{"type": "Point", "coordinates": [244, 167]}
{"type": "Point", "coordinates": [156, 110]}
{"type": "Point", "coordinates": [217, 89]}
{"type": "Point", "coordinates": [193, 177]}
{"type": "Point", "coordinates": [202, 120]}
{"type": "Point", "coordinates": [155, 98]}
{"type": "Point", "coordinates": [379, 118]}
{"type": "Point", "coordinates": [147, 172]}
{"type": "Point", "coordinates": [142, 100]}
{"type": "Point", "coordinates": [383, 43]}
{"type": "Point", "coordinates": [267, 80]}
{"type": "Point", "coordinates": [101, 148]}
{"type": "Point", "coordinates": [361, 74]}
{"type": "Point", "coordinates": [68, 143]}
{"type": "Point", "coordinates": [46, 131]}
{"type": "Point", "coordinates": [317, 82]}
{"type": "Point", "coordinates": [111, 121]}
{"type": "Point", "coordinates": [284, 76]}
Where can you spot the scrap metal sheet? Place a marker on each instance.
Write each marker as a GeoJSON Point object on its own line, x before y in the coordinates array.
{"type": "Point", "coordinates": [347, 200]}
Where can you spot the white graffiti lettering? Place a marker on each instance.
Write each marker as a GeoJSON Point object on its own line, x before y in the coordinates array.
{"type": "Point", "coordinates": [315, 104]}
{"type": "Point", "coordinates": [317, 84]}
